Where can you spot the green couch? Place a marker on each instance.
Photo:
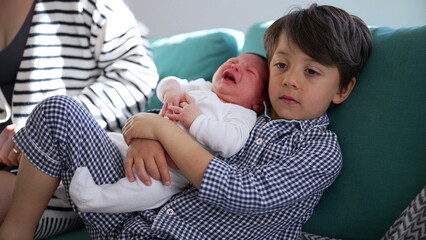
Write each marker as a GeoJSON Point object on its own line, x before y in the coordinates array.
{"type": "Point", "coordinates": [381, 127]}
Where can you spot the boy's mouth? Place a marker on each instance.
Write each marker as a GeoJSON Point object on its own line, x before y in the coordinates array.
{"type": "Point", "coordinates": [288, 99]}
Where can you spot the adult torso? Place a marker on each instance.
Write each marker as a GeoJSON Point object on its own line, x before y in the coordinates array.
{"type": "Point", "coordinates": [15, 21]}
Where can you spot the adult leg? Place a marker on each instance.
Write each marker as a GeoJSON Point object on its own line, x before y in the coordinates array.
{"type": "Point", "coordinates": [7, 183]}
{"type": "Point", "coordinates": [38, 185]}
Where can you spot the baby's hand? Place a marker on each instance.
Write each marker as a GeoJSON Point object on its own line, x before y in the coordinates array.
{"type": "Point", "coordinates": [171, 99]}
{"type": "Point", "coordinates": [149, 159]}
{"type": "Point", "coordinates": [186, 112]}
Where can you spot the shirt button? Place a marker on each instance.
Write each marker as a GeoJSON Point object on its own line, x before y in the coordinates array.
{"type": "Point", "coordinates": [259, 141]}
{"type": "Point", "coordinates": [170, 212]}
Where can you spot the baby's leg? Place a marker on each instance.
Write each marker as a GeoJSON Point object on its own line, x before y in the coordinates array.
{"type": "Point", "coordinates": [122, 196]}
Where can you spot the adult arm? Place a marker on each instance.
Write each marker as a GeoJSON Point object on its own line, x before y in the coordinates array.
{"type": "Point", "coordinates": [128, 73]}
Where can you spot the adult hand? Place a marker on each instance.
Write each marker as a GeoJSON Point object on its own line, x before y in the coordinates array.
{"type": "Point", "coordinates": [9, 152]}
{"type": "Point", "coordinates": [148, 158]}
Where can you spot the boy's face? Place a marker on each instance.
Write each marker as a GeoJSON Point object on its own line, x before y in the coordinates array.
{"type": "Point", "coordinates": [242, 80]}
{"type": "Point", "coordinates": [300, 88]}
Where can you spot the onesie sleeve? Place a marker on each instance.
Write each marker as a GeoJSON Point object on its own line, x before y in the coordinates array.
{"type": "Point", "coordinates": [225, 136]}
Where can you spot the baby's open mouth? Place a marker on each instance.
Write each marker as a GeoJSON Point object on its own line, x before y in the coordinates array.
{"type": "Point", "coordinates": [229, 76]}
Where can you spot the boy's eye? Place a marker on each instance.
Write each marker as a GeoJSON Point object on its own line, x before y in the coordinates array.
{"type": "Point", "coordinates": [281, 65]}
{"type": "Point", "coordinates": [311, 72]}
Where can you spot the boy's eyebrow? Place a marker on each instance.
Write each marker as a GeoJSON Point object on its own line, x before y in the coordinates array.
{"type": "Point", "coordinates": [307, 58]}
{"type": "Point", "coordinates": [281, 53]}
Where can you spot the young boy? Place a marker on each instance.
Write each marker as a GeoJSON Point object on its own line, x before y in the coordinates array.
{"type": "Point", "coordinates": [268, 190]}
{"type": "Point", "coordinates": [218, 114]}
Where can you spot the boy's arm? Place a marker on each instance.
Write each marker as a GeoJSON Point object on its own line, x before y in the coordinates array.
{"type": "Point", "coordinates": [276, 177]}
{"type": "Point", "coordinates": [146, 156]}
{"type": "Point", "coordinates": [189, 156]}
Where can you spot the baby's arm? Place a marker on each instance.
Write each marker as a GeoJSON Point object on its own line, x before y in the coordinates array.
{"type": "Point", "coordinates": [170, 92]}
{"type": "Point", "coordinates": [225, 128]}
{"type": "Point", "coordinates": [186, 112]}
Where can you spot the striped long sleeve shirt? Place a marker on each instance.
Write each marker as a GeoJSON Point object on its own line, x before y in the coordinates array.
{"type": "Point", "coordinates": [88, 49]}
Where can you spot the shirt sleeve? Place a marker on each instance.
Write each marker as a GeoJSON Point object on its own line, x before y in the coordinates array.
{"type": "Point", "coordinates": [164, 82]}
{"type": "Point", "coordinates": [276, 183]}
{"type": "Point", "coordinates": [186, 86]}
{"type": "Point", "coordinates": [128, 73]}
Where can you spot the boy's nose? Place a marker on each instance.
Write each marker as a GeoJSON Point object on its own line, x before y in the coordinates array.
{"type": "Point", "coordinates": [290, 80]}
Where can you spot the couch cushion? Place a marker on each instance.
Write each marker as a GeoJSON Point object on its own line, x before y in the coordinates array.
{"type": "Point", "coordinates": [254, 38]}
{"type": "Point", "coordinates": [195, 54]}
{"type": "Point", "coordinates": [382, 132]}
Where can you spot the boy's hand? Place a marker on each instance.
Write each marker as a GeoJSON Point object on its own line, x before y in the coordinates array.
{"type": "Point", "coordinates": [186, 112]}
{"type": "Point", "coordinates": [148, 158]}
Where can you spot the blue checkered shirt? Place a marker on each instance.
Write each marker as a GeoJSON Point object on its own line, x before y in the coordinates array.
{"type": "Point", "coordinates": [266, 191]}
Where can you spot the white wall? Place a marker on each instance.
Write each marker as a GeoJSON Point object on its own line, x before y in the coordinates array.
{"type": "Point", "coordinates": [167, 17]}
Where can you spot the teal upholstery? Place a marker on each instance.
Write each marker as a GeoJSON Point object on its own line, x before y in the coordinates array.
{"type": "Point", "coordinates": [254, 38]}
{"type": "Point", "coordinates": [381, 127]}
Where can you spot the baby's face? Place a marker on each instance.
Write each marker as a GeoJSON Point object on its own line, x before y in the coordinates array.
{"type": "Point", "coordinates": [242, 80]}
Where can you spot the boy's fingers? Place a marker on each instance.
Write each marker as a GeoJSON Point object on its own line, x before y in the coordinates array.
{"type": "Point", "coordinates": [128, 168]}
{"type": "Point", "coordinates": [141, 172]}
{"type": "Point", "coordinates": [152, 169]}
{"type": "Point", "coordinates": [163, 169]}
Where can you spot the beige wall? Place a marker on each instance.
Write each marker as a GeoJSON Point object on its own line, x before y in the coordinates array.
{"type": "Point", "coordinates": [167, 17]}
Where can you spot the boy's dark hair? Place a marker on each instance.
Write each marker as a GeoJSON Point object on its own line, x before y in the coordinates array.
{"type": "Point", "coordinates": [328, 34]}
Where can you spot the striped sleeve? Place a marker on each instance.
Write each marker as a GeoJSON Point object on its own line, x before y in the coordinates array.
{"type": "Point", "coordinates": [129, 75]}
{"type": "Point", "coordinates": [90, 50]}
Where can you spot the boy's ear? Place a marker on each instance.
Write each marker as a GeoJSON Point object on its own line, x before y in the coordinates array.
{"type": "Point", "coordinates": [259, 107]}
{"type": "Point", "coordinates": [344, 93]}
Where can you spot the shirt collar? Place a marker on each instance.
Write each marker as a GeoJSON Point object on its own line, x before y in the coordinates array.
{"type": "Point", "coordinates": [304, 125]}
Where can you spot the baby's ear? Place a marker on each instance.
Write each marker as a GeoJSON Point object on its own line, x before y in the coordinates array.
{"type": "Point", "coordinates": [259, 107]}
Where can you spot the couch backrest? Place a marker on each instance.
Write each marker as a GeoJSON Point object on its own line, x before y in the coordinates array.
{"type": "Point", "coordinates": [381, 127]}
